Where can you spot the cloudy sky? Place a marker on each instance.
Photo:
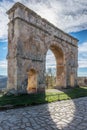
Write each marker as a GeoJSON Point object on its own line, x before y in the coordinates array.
{"type": "Point", "coordinates": [68, 15]}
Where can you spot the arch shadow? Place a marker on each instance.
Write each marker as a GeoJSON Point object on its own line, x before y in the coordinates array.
{"type": "Point", "coordinates": [65, 115]}
{"type": "Point", "coordinates": [59, 115]}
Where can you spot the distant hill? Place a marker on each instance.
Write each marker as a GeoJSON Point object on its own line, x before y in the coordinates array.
{"type": "Point", "coordinates": [1, 76]}
{"type": "Point", "coordinates": [3, 81]}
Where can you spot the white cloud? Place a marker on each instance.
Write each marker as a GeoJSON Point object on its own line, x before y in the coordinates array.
{"type": "Point", "coordinates": [3, 64]}
{"type": "Point", "coordinates": [4, 6]}
{"type": "Point", "coordinates": [83, 47]}
{"type": "Point", "coordinates": [82, 55]}
{"type": "Point", "coordinates": [4, 48]}
{"type": "Point", "coordinates": [4, 40]}
{"type": "Point", "coordinates": [69, 15]}
{"type": "Point", "coordinates": [83, 63]}
{"type": "Point", "coordinates": [50, 60]}
{"type": "Point", "coordinates": [3, 67]}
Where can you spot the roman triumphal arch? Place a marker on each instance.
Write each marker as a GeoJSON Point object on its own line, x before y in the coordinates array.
{"type": "Point", "coordinates": [29, 38]}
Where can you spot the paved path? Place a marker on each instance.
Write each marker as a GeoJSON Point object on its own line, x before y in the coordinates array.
{"type": "Point", "coordinates": [58, 90]}
{"type": "Point", "coordinates": [63, 115]}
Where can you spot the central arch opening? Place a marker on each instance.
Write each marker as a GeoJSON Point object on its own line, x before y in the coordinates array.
{"type": "Point", "coordinates": [55, 68]}
{"type": "Point", "coordinates": [32, 81]}
{"type": "Point", "coordinates": [50, 69]}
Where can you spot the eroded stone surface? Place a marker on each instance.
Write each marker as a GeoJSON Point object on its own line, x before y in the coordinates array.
{"type": "Point", "coordinates": [29, 38]}
{"type": "Point", "coordinates": [61, 115]}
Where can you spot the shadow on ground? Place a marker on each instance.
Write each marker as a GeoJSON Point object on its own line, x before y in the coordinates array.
{"type": "Point", "coordinates": [66, 115]}
{"type": "Point", "coordinates": [60, 115]}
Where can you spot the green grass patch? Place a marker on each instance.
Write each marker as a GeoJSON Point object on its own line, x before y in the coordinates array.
{"type": "Point", "coordinates": [34, 99]}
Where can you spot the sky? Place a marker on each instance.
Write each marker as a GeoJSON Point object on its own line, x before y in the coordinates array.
{"type": "Point", "coordinates": [68, 15]}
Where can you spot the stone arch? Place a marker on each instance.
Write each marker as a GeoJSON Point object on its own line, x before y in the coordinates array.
{"type": "Point", "coordinates": [29, 38]}
{"type": "Point", "coordinates": [60, 64]}
{"type": "Point", "coordinates": [32, 81]}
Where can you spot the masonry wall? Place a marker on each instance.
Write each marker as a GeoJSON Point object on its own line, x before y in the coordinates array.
{"type": "Point", "coordinates": [30, 37]}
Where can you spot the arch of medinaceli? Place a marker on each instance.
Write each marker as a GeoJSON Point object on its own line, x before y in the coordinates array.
{"type": "Point", "coordinates": [29, 38]}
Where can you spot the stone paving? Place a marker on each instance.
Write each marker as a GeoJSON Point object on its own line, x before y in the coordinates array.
{"type": "Point", "coordinates": [61, 115]}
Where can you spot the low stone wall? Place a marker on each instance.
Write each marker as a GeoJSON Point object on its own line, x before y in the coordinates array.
{"type": "Point", "coordinates": [82, 81]}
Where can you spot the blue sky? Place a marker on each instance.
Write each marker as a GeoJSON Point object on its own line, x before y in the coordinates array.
{"type": "Point", "coordinates": [72, 20]}
{"type": "Point", "coordinates": [82, 54]}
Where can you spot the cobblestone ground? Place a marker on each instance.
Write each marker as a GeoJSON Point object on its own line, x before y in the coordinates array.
{"type": "Point", "coordinates": [63, 115]}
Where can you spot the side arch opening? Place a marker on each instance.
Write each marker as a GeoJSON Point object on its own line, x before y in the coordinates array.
{"type": "Point", "coordinates": [50, 70]}
{"type": "Point", "coordinates": [32, 81]}
{"type": "Point", "coordinates": [72, 80]}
